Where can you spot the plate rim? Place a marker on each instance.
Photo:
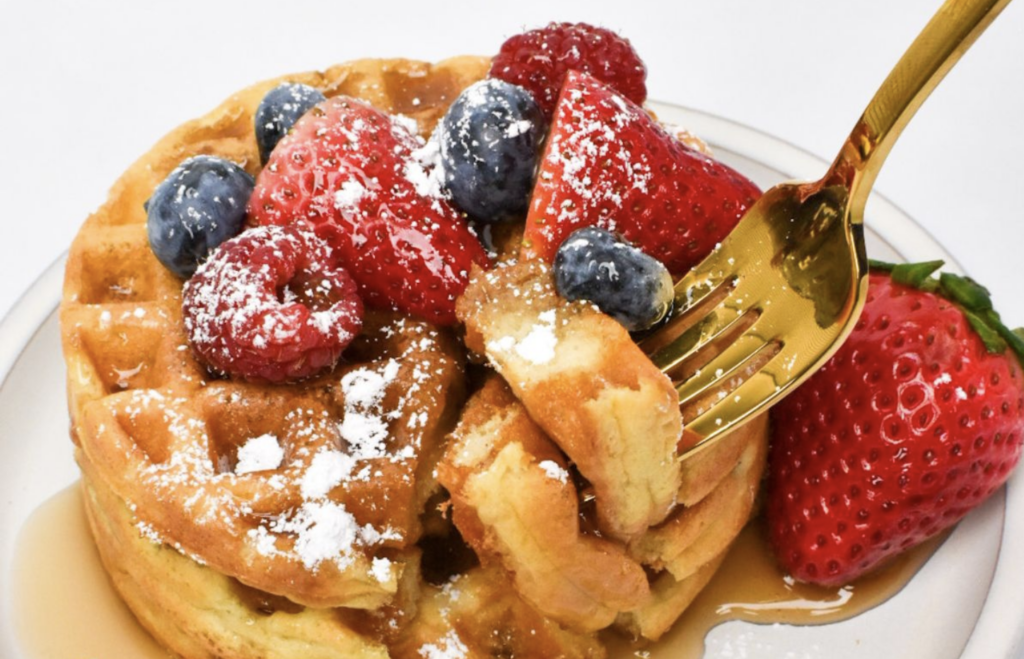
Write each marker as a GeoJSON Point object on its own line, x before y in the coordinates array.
{"type": "Point", "coordinates": [991, 636]}
{"type": "Point", "coordinates": [25, 318]}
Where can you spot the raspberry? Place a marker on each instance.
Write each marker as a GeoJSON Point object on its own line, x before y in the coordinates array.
{"type": "Point", "coordinates": [271, 306]}
{"type": "Point", "coordinates": [539, 59]}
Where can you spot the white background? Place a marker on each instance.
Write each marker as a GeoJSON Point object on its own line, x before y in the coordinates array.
{"type": "Point", "coordinates": [86, 87]}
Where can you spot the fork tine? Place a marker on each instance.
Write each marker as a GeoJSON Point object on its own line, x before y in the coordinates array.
{"type": "Point", "coordinates": [747, 401]}
{"type": "Point", "coordinates": [734, 298]}
{"type": "Point", "coordinates": [694, 300]}
{"type": "Point", "coordinates": [683, 356]}
{"type": "Point", "coordinates": [730, 364]}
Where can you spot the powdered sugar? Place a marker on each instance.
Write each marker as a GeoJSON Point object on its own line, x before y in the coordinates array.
{"type": "Point", "coordinates": [349, 195]}
{"type": "Point", "coordinates": [259, 454]}
{"type": "Point", "coordinates": [424, 171]}
{"type": "Point", "coordinates": [537, 347]}
{"type": "Point", "coordinates": [450, 646]}
{"type": "Point", "coordinates": [364, 387]}
{"type": "Point", "coordinates": [554, 471]}
{"type": "Point", "coordinates": [517, 128]}
{"type": "Point", "coordinates": [304, 462]}
{"type": "Point", "coordinates": [380, 569]}
{"type": "Point", "coordinates": [364, 425]}
{"type": "Point", "coordinates": [323, 530]}
{"type": "Point", "coordinates": [407, 123]}
{"type": "Point", "coordinates": [327, 470]}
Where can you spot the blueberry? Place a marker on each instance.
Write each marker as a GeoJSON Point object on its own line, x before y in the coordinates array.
{"type": "Point", "coordinates": [625, 283]}
{"type": "Point", "coordinates": [278, 112]}
{"type": "Point", "coordinates": [490, 141]}
{"type": "Point", "coordinates": [196, 208]}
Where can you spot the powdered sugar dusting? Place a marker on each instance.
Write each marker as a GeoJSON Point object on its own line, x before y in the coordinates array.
{"type": "Point", "coordinates": [327, 470]}
{"type": "Point", "coordinates": [450, 646]}
{"type": "Point", "coordinates": [424, 171]}
{"type": "Point", "coordinates": [259, 454]}
{"type": "Point", "coordinates": [380, 569]}
{"type": "Point", "coordinates": [349, 195]}
{"type": "Point", "coordinates": [282, 494]}
{"type": "Point", "coordinates": [407, 123]}
{"type": "Point", "coordinates": [237, 306]}
{"type": "Point", "coordinates": [554, 471]}
{"type": "Point", "coordinates": [365, 424]}
{"type": "Point", "coordinates": [537, 347]}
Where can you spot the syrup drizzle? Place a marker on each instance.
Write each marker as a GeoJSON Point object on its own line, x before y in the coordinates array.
{"type": "Point", "coordinates": [749, 586]}
{"type": "Point", "coordinates": [66, 606]}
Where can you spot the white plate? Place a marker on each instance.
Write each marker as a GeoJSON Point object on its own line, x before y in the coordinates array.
{"type": "Point", "coordinates": [967, 602]}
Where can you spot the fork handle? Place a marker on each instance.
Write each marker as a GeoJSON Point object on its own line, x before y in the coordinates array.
{"type": "Point", "coordinates": [937, 48]}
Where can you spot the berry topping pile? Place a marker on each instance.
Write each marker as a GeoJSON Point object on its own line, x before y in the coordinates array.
{"type": "Point", "coordinates": [539, 60]}
{"type": "Point", "coordinates": [609, 163]}
{"type": "Point", "coordinates": [916, 420]}
{"type": "Point", "coordinates": [280, 109]}
{"type": "Point", "coordinates": [913, 422]}
{"type": "Point", "coordinates": [490, 140]}
{"type": "Point", "coordinates": [628, 285]}
{"type": "Point", "coordinates": [197, 207]}
{"type": "Point", "coordinates": [370, 187]}
{"type": "Point", "coordinates": [270, 306]}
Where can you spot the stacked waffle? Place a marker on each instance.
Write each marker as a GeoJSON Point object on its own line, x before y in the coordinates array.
{"type": "Point", "coordinates": [251, 520]}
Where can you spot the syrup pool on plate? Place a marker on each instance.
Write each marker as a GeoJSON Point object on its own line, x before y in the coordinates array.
{"type": "Point", "coordinates": [66, 606]}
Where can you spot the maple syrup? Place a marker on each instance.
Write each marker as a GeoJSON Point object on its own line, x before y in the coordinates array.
{"type": "Point", "coordinates": [66, 606]}
{"type": "Point", "coordinates": [749, 586]}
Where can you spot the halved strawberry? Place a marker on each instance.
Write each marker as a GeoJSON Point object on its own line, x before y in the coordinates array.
{"type": "Point", "coordinates": [608, 163]}
{"type": "Point", "coordinates": [366, 183]}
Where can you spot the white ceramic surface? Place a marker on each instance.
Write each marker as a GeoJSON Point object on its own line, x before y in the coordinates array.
{"type": "Point", "coordinates": [965, 603]}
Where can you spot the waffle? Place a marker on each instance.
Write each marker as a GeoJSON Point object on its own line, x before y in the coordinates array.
{"type": "Point", "coordinates": [605, 405]}
{"type": "Point", "coordinates": [158, 436]}
{"type": "Point", "coordinates": [549, 352]}
{"type": "Point", "coordinates": [514, 502]}
{"type": "Point", "coordinates": [240, 520]}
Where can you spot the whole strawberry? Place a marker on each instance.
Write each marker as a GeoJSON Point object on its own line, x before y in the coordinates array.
{"type": "Point", "coordinates": [369, 187]}
{"type": "Point", "coordinates": [539, 59]}
{"type": "Point", "coordinates": [915, 421]}
{"type": "Point", "coordinates": [608, 163]}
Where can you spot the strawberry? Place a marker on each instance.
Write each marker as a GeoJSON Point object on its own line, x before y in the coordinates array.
{"type": "Point", "coordinates": [367, 185]}
{"type": "Point", "coordinates": [608, 163]}
{"type": "Point", "coordinates": [539, 59]}
{"type": "Point", "coordinates": [915, 421]}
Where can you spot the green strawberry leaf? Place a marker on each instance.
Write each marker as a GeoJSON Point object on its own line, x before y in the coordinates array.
{"type": "Point", "coordinates": [916, 275]}
{"type": "Point", "coordinates": [973, 300]}
{"type": "Point", "coordinates": [988, 334]}
{"type": "Point", "coordinates": [965, 291]}
{"type": "Point", "coordinates": [1015, 339]}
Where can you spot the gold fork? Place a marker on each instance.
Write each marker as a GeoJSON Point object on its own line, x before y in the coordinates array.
{"type": "Point", "coordinates": [776, 299]}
